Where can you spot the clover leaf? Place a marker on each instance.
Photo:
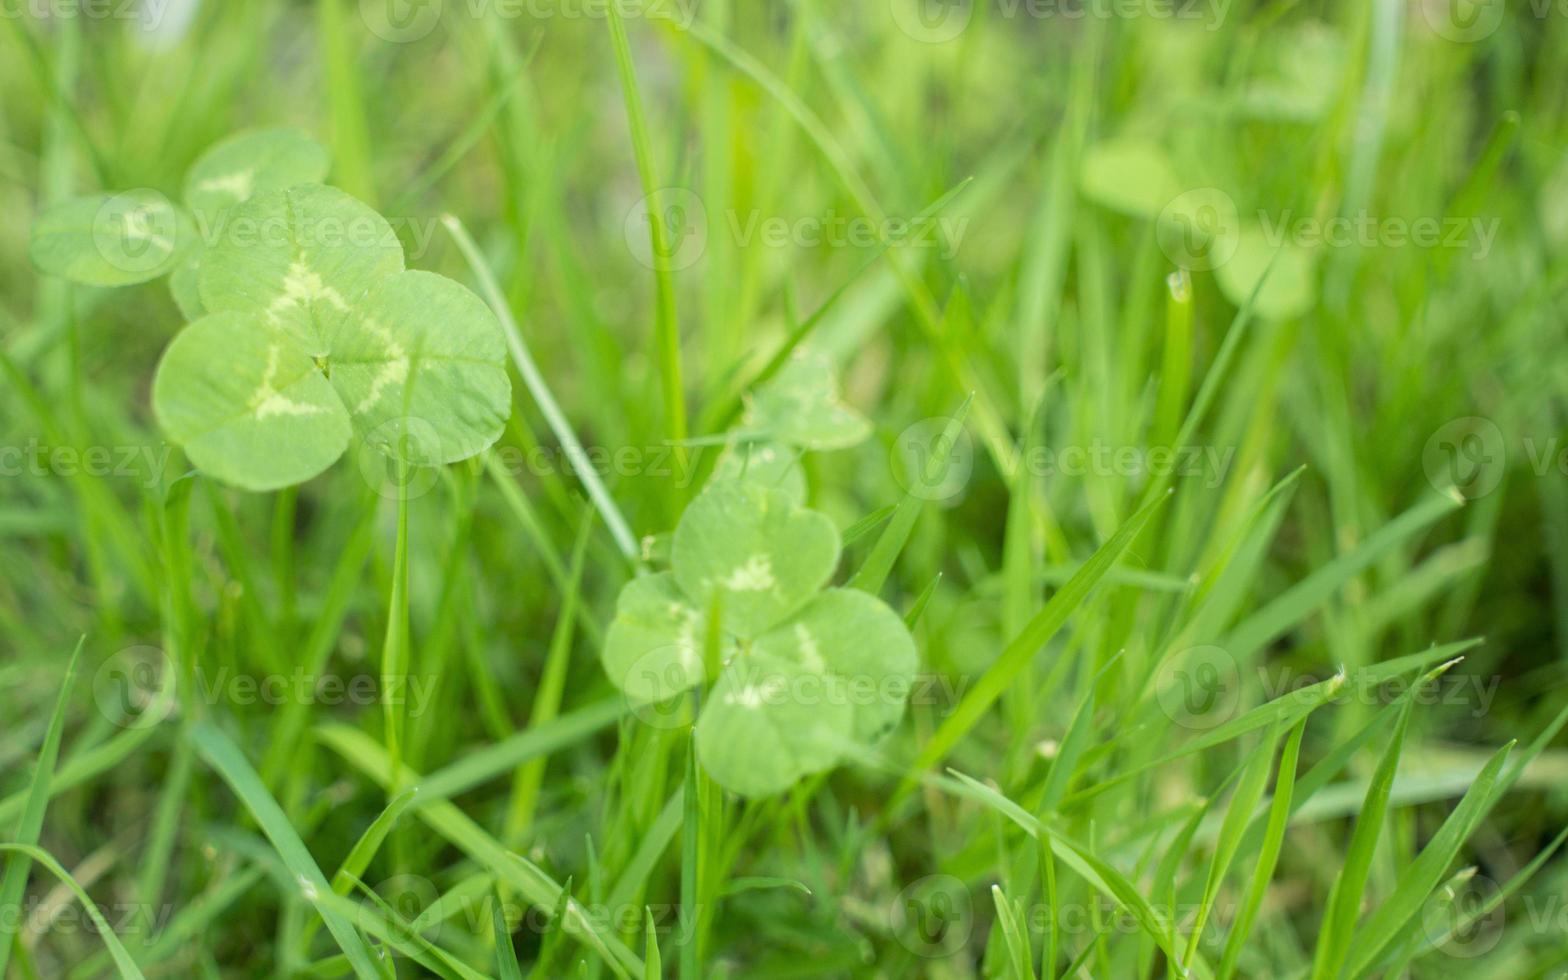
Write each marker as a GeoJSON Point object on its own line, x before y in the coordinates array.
{"type": "Point", "coordinates": [765, 463]}
{"type": "Point", "coordinates": [303, 257]}
{"type": "Point", "coordinates": [112, 239]}
{"type": "Point", "coordinates": [1291, 288]}
{"type": "Point", "coordinates": [763, 554]}
{"type": "Point", "coordinates": [1128, 175]}
{"type": "Point", "coordinates": [806, 670]}
{"type": "Point", "coordinates": [324, 333]}
{"type": "Point", "coordinates": [247, 406]}
{"type": "Point", "coordinates": [246, 164]}
{"type": "Point", "coordinates": [800, 406]}
{"type": "Point", "coordinates": [231, 173]}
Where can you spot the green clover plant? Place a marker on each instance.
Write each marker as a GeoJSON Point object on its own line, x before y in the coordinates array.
{"type": "Point", "coordinates": [307, 328]}
{"type": "Point", "coordinates": [805, 671]}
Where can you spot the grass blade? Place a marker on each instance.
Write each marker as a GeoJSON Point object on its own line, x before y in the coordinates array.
{"type": "Point", "coordinates": [33, 855]}
{"type": "Point", "coordinates": [1237, 817]}
{"type": "Point", "coordinates": [1416, 882]}
{"type": "Point", "coordinates": [879, 563]}
{"type": "Point", "coordinates": [1022, 649]}
{"type": "Point", "coordinates": [531, 881]}
{"type": "Point", "coordinates": [540, 389]}
{"type": "Point", "coordinates": [1020, 956]}
{"type": "Point", "coordinates": [653, 966]}
{"type": "Point", "coordinates": [1290, 608]}
{"type": "Point", "coordinates": [32, 821]}
{"type": "Point", "coordinates": [1344, 899]}
{"type": "Point", "coordinates": [506, 965]}
{"type": "Point", "coordinates": [667, 337]}
{"type": "Point", "coordinates": [219, 752]}
{"type": "Point", "coordinates": [1273, 840]}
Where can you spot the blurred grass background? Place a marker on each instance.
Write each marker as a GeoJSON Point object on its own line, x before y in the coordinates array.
{"type": "Point", "coordinates": [1046, 292]}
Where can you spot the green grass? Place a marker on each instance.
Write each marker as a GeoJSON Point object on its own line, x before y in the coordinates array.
{"type": "Point", "coordinates": [1290, 706]}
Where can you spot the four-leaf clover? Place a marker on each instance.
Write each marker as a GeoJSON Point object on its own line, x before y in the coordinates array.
{"type": "Point", "coordinates": [317, 331]}
{"type": "Point", "coordinates": [807, 671]}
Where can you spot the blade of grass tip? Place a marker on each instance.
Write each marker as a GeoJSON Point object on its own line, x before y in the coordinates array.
{"type": "Point", "coordinates": [1020, 956]}
{"type": "Point", "coordinates": [867, 524]}
{"type": "Point", "coordinates": [540, 390]}
{"type": "Point", "coordinates": [933, 467]}
{"type": "Point", "coordinates": [666, 326]}
{"type": "Point", "coordinates": [1176, 357]}
{"type": "Point", "coordinates": [1424, 874]}
{"type": "Point", "coordinates": [1397, 963]}
{"type": "Point", "coordinates": [691, 828]}
{"type": "Point", "coordinates": [506, 965]}
{"type": "Point", "coordinates": [1237, 817]}
{"type": "Point", "coordinates": [1349, 888]}
{"type": "Point", "coordinates": [1332, 763]}
{"type": "Point", "coordinates": [652, 964]}
{"type": "Point", "coordinates": [28, 854]}
{"type": "Point", "coordinates": [1040, 630]}
{"type": "Point", "coordinates": [918, 608]}
{"type": "Point", "coordinates": [1273, 841]}
{"type": "Point", "coordinates": [32, 822]}
{"type": "Point", "coordinates": [1289, 708]}
{"type": "Point", "coordinates": [219, 752]}
{"type": "Point", "coordinates": [1212, 380]}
